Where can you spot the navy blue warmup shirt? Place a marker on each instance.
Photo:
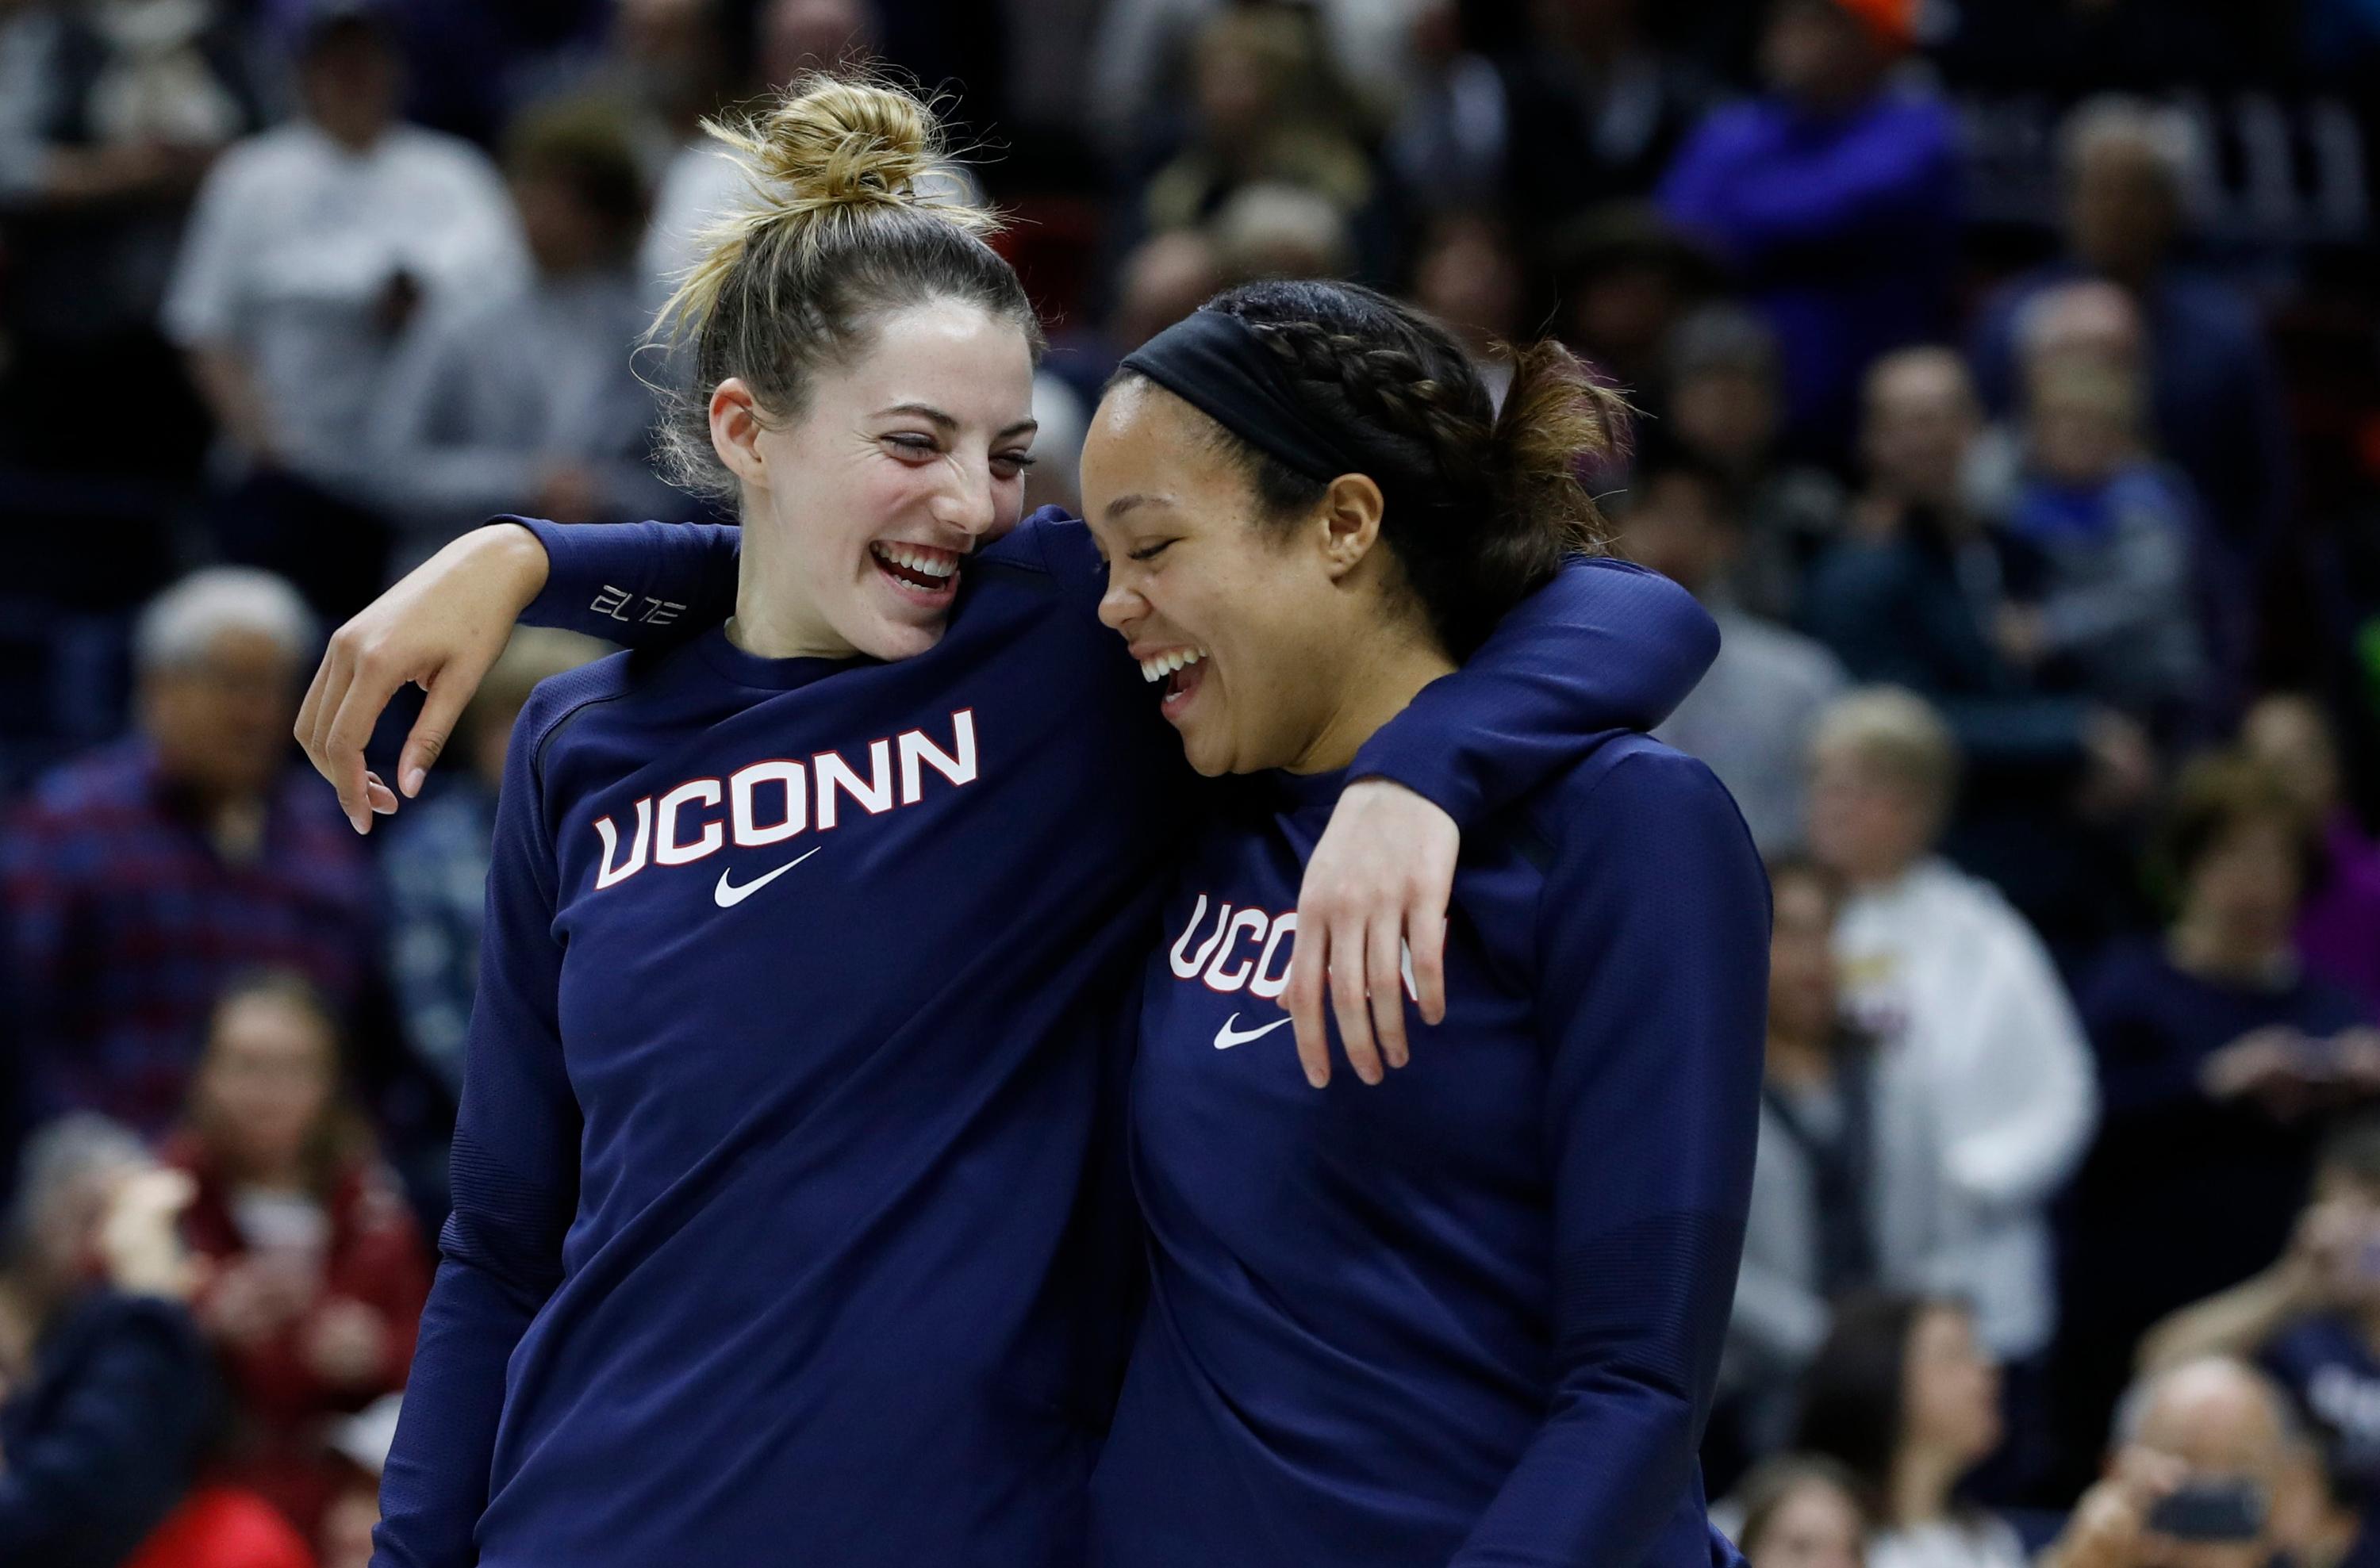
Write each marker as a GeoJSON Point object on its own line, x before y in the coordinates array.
{"type": "Point", "coordinates": [1473, 1314]}
{"type": "Point", "coordinates": [771, 1179]}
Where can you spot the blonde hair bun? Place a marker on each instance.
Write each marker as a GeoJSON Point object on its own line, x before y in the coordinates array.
{"type": "Point", "coordinates": [841, 142]}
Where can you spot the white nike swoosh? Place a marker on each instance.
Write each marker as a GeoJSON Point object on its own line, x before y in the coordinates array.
{"type": "Point", "coordinates": [729, 895]}
{"type": "Point", "coordinates": [1227, 1037]}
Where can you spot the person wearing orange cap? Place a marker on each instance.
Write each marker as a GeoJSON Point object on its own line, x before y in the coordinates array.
{"type": "Point", "coordinates": [1836, 196]}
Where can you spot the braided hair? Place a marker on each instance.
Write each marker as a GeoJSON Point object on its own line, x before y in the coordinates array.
{"type": "Point", "coordinates": [1481, 507]}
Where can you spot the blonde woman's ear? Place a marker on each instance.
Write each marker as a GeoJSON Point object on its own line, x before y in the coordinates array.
{"type": "Point", "coordinates": [735, 431]}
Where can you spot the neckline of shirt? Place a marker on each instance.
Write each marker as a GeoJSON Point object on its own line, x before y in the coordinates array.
{"type": "Point", "coordinates": [768, 674]}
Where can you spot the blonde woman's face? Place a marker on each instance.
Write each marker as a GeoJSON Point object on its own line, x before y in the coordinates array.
{"type": "Point", "coordinates": [904, 463]}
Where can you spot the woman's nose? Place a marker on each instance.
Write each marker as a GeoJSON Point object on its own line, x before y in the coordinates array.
{"type": "Point", "coordinates": [967, 503]}
{"type": "Point", "coordinates": [1119, 605]}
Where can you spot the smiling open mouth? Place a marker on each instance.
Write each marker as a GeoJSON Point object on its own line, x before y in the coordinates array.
{"type": "Point", "coordinates": [923, 569]}
{"type": "Point", "coordinates": [1182, 670]}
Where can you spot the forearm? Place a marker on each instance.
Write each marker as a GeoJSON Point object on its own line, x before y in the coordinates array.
{"type": "Point", "coordinates": [1604, 647]}
{"type": "Point", "coordinates": [2235, 1322]}
{"type": "Point", "coordinates": [1599, 1482]}
{"type": "Point", "coordinates": [639, 583]}
{"type": "Point", "coordinates": [435, 1485]}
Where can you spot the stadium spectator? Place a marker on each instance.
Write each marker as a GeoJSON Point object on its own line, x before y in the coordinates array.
{"type": "Point", "coordinates": [1162, 279]}
{"type": "Point", "coordinates": [520, 396]}
{"type": "Point", "coordinates": [1832, 1162]}
{"type": "Point", "coordinates": [2312, 1317]}
{"type": "Point", "coordinates": [1752, 716]}
{"type": "Point", "coordinates": [2129, 170]}
{"type": "Point", "coordinates": [1467, 274]}
{"type": "Point", "coordinates": [1801, 1512]}
{"type": "Point", "coordinates": [1275, 229]}
{"type": "Point", "coordinates": [1914, 596]}
{"type": "Point", "coordinates": [138, 878]}
{"type": "Point", "coordinates": [1588, 110]}
{"type": "Point", "coordinates": [1835, 196]}
{"type": "Point", "coordinates": [1146, 57]}
{"type": "Point", "coordinates": [435, 872]}
{"type": "Point", "coordinates": [1261, 113]}
{"type": "Point", "coordinates": [109, 115]}
{"type": "Point", "coordinates": [311, 249]}
{"type": "Point", "coordinates": [1976, 1035]}
{"type": "Point", "coordinates": [2339, 932]}
{"type": "Point", "coordinates": [2116, 532]}
{"type": "Point", "coordinates": [101, 1435]}
{"type": "Point", "coordinates": [2216, 1054]}
{"type": "Point", "coordinates": [684, 44]}
{"type": "Point", "coordinates": [1904, 1396]}
{"type": "Point", "coordinates": [1724, 403]}
{"type": "Point", "coordinates": [316, 1272]}
{"type": "Point", "coordinates": [2218, 1429]}
{"type": "Point", "coordinates": [1625, 277]}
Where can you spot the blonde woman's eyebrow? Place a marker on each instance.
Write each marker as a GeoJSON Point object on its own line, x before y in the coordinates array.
{"type": "Point", "coordinates": [940, 420]}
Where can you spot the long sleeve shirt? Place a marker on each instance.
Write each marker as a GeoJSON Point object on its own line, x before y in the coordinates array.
{"type": "Point", "coordinates": [1473, 1314]}
{"type": "Point", "coordinates": [781, 1098]}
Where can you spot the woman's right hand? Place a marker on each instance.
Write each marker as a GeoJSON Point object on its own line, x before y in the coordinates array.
{"type": "Point", "coordinates": [440, 628]}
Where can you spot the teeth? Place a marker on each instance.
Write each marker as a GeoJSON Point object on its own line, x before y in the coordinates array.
{"type": "Point", "coordinates": [934, 563]}
{"type": "Point", "coordinates": [1158, 668]}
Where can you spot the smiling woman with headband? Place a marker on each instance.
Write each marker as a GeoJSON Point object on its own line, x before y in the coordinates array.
{"type": "Point", "coordinates": [1473, 1315]}
{"type": "Point", "coordinates": [777, 1177]}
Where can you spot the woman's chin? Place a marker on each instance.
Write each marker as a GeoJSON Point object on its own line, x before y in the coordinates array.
{"type": "Point", "coordinates": [892, 641]}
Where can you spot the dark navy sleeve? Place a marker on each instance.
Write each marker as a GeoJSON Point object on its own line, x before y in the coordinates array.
{"type": "Point", "coordinates": [516, 1187]}
{"type": "Point", "coordinates": [640, 584]}
{"type": "Point", "coordinates": [1653, 964]}
{"type": "Point", "coordinates": [1605, 646]}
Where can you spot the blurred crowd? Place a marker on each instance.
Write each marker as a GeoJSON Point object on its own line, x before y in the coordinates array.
{"type": "Point", "coordinates": [2011, 381]}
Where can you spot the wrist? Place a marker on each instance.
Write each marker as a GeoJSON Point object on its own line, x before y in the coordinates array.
{"type": "Point", "coordinates": [512, 551]}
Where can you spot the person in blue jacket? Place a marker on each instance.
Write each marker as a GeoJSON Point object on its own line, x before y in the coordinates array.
{"type": "Point", "coordinates": [774, 1171]}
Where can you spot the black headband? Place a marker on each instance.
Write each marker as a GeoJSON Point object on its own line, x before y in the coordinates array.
{"type": "Point", "coordinates": [1215, 362]}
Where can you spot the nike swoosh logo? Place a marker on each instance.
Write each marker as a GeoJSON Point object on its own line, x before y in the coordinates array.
{"type": "Point", "coordinates": [729, 895]}
{"type": "Point", "coordinates": [1227, 1037]}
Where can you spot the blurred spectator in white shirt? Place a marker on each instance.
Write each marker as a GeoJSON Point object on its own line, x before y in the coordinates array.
{"type": "Point", "coordinates": [525, 395]}
{"type": "Point", "coordinates": [1972, 1019]}
{"type": "Point", "coordinates": [312, 250]}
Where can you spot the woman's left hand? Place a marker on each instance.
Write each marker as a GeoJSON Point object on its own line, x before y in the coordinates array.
{"type": "Point", "coordinates": [1376, 891]}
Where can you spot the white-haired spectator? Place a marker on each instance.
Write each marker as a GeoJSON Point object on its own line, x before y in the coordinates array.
{"type": "Point", "coordinates": [312, 247]}
{"type": "Point", "coordinates": [138, 878]}
{"type": "Point", "coordinates": [2131, 170]}
{"type": "Point", "coordinates": [1976, 1034]}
